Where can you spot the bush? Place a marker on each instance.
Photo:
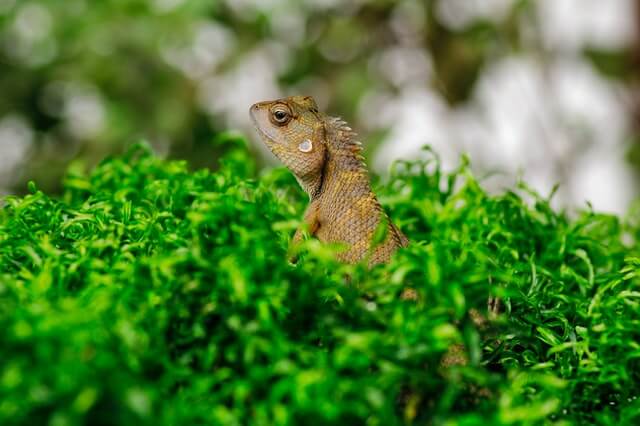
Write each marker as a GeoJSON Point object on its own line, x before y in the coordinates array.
{"type": "Point", "coordinates": [148, 294]}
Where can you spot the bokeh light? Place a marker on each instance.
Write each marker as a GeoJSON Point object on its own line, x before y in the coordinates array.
{"type": "Point", "coordinates": [543, 91]}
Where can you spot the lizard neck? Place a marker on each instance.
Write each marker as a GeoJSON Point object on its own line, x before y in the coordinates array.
{"type": "Point", "coordinates": [313, 184]}
{"type": "Point", "coordinates": [344, 175]}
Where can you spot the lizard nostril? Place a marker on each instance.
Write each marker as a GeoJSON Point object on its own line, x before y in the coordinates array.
{"type": "Point", "coordinates": [253, 110]}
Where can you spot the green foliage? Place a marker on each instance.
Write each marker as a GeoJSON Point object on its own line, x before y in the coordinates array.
{"type": "Point", "coordinates": [148, 294]}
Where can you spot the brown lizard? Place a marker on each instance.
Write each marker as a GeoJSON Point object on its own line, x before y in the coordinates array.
{"type": "Point", "coordinates": [325, 157]}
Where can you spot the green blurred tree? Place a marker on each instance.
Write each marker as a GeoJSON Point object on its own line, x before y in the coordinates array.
{"type": "Point", "coordinates": [91, 77]}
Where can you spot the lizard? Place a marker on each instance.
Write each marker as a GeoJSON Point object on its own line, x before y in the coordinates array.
{"type": "Point", "coordinates": [326, 159]}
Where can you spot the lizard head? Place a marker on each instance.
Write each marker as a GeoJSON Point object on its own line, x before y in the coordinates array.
{"type": "Point", "coordinates": [293, 129]}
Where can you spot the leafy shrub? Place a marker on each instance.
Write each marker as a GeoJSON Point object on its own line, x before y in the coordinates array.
{"type": "Point", "coordinates": [148, 294]}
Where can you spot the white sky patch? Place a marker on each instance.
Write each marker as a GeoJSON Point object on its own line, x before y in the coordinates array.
{"type": "Point", "coordinates": [416, 117]}
{"type": "Point", "coordinates": [588, 101]}
{"type": "Point", "coordinates": [572, 24]}
{"type": "Point", "coordinates": [83, 110]}
{"type": "Point", "coordinates": [16, 138]}
{"type": "Point", "coordinates": [404, 65]}
{"type": "Point", "coordinates": [458, 14]}
{"type": "Point", "coordinates": [603, 177]}
{"type": "Point", "coordinates": [210, 45]}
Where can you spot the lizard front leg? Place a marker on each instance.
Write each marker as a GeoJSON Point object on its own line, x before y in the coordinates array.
{"type": "Point", "coordinates": [310, 224]}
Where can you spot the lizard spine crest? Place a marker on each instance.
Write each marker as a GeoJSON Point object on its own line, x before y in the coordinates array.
{"type": "Point", "coordinates": [343, 145]}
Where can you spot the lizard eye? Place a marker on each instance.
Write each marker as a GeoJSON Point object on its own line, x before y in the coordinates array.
{"type": "Point", "coordinates": [280, 115]}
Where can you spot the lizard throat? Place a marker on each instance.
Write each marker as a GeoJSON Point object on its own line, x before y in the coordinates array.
{"type": "Point", "coordinates": [313, 183]}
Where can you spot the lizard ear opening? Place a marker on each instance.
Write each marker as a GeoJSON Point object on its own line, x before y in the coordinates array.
{"type": "Point", "coordinates": [305, 146]}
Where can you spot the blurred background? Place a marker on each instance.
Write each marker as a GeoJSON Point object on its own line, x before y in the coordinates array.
{"type": "Point", "coordinates": [547, 90]}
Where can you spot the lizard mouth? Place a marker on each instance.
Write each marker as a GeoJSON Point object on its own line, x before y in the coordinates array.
{"type": "Point", "coordinates": [254, 113]}
{"type": "Point", "coordinates": [265, 137]}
